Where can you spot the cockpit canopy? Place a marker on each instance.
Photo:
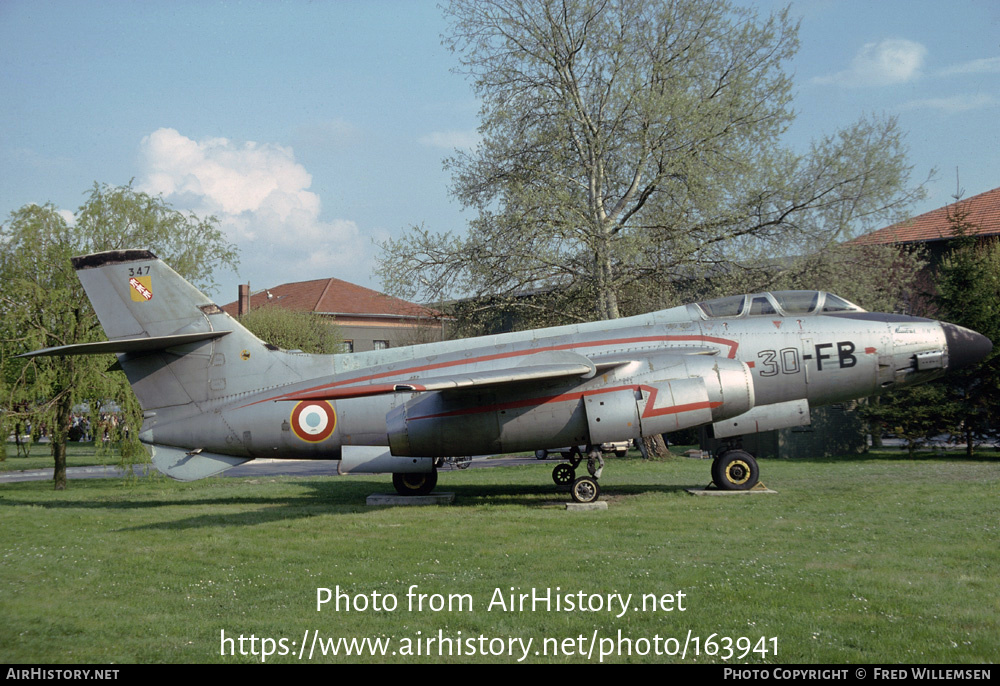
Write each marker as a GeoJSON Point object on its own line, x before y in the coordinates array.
{"type": "Point", "coordinates": [775, 303]}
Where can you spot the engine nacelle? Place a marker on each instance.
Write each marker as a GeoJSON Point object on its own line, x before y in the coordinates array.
{"type": "Point", "coordinates": [657, 395]}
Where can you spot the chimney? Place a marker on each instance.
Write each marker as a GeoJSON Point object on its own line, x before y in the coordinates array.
{"type": "Point", "coordinates": [243, 301]}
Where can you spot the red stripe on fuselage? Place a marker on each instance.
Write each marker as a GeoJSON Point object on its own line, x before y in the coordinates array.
{"type": "Point", "coordinates": [352, 392]}
{"type": "Point", "coordinates": [733, 346]}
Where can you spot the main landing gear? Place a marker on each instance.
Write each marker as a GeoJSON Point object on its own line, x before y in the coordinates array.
{"type": "Point", "coordinates": [734, 469]}
{"type": "Point", "coordinates": [415, 483]}
{"type": "Point", "coordinates": [585, 488]}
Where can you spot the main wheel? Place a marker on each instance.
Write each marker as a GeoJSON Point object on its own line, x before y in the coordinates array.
{"type": "Point", "coordinates": [563, 474]}
{"type": "Point", "coordinates": [415, 483]}
{"type": "Point", "coordinates": [585, 489]}
{"type": "Point", "coordinates": [735, 470]}
{"type": "Point", "coordinates": [541, 454]}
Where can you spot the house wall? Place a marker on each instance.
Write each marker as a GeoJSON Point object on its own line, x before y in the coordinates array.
{"type": "Point", "coordinates": [363, 335]}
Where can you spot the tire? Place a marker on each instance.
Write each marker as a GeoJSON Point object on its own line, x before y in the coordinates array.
{"type": "Point", "coordinates": [415, 483]}
{"type": "Point", "coordinates": [541, 454]}
{"type": "Point", "coordinates": [585, 490]}
{"type": "Point", "coordinates": [735, 470]}
{"type": "Point", "coordinates": [563, 475]}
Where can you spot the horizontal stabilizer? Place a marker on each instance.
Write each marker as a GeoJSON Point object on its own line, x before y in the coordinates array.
{"type": "Point", "coordinates": [191, 465]}
{"type": "Point", "coordinates": [127, 345]}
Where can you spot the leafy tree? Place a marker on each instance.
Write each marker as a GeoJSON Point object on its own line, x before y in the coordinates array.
{"type": "Point", "coordinates": [968, 294]}
{"type": "Point", "coordinates": [966, 401]}
{"type": "Point", "coordinates": [914, 414]}
{"type": "Point", "coordinates": [629, 146]}
{"type": "Point", "coordinates": [42, 303]}
{"type": "Point", "coordinates": [293, 330]}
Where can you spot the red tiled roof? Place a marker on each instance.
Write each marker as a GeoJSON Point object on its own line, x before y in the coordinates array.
{"type": "Point", "coordinates": [984, 213]}
{"type": "Point", "coordinates": [333, 296]}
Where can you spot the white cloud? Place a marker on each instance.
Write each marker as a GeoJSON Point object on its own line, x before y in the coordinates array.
{"type": "Point", "coordinates": [891, 61]}
{"type": "Point", "coordinates": [989, 65]}
{"type": "Point", "coordinates": [230, 178]}
{"type": "Point", "coordinates": [68, 217]}
{"type": "Point", "coordinates": [261, 197]}
{"type": "Point", "coordinates": [953, 105]}
{"type": "Point", "coordinates": [450, 140]}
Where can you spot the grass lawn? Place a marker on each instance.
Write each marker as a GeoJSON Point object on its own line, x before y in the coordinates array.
{"type": "Point", "coordinates": [858, 559]}
{"type": "Point", "coordinates": [40, 456]}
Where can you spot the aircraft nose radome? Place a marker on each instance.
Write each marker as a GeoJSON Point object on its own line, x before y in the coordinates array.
{"type": "Point", "coordinates": [965, 346]}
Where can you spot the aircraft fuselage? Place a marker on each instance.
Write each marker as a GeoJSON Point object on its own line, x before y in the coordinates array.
{"type": "Point", "coordinates": [733, 365]}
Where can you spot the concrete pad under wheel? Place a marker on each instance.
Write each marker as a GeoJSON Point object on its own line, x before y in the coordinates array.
{"type": "Point", "coordinates": [583, 507]}
{"type": "Point", "coordinates": [410, 500]}
{"type": "Point", "coordinates": [711, 490]}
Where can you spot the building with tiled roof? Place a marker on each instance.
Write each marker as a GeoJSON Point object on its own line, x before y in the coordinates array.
{"type": "Point", "coordinates": [933, 227]}
{"type": "Point", "coordinates": [367, 319]}
{"type": "Point", "coordinates": [934, 232]}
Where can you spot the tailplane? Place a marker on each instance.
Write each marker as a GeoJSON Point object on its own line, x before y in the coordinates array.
{"type": "Point", "coordinates": [174, 344]}
{"type": "Point", "coordinates": [185, 358]}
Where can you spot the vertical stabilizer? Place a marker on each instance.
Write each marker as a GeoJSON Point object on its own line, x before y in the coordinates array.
{"type": "Point", "coordinates": [135, 296]}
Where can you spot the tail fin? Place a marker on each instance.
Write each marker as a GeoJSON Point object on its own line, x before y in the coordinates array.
{"type": "Point", "coordinates": [174, 343]}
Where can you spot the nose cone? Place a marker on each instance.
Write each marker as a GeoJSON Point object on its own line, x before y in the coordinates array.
{"type": "Point", "coordinates": [965, 346]}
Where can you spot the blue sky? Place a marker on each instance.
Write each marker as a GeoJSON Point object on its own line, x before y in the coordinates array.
{"type": "Point", "coordinates": [313, 129]}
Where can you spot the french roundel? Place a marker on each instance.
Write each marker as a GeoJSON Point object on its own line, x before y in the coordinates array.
{"type": "Point", "coordinates": [314, 421]}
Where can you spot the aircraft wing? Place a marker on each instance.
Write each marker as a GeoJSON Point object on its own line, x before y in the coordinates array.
{"type": "Point", "coordinates": [537, 367]}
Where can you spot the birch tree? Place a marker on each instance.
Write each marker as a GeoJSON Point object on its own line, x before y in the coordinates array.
{"type": "Point", "coordinates": [626, 142]}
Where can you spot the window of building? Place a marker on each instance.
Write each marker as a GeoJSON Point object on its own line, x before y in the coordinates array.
{"type": "Point", "coordinates": [380, 345]}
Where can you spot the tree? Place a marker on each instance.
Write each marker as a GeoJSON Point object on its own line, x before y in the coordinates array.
{"type": "Point", "coordinates": [629, 145]}
{"type": "Point", "coordinates": [293, 330]}
{"type": "Point", "coordinates": [914, 414]}
{"type": "Point", "coordinates": [968, 294]}
{"type": "Point", "coordinates": [42, 303]}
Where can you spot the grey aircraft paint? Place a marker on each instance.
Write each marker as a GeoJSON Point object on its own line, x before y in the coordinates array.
{"type": "Point", "coordinates": [214, 395]}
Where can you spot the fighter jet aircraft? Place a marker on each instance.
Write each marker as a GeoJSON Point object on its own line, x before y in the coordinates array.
{"type": "Point", "coordinates": [214, 396]}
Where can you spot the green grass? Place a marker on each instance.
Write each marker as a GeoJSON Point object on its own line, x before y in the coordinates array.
{"type": "Point", "coordinates": [40, 456]}
{"type": "Point", "coordinates": [855, 560]}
